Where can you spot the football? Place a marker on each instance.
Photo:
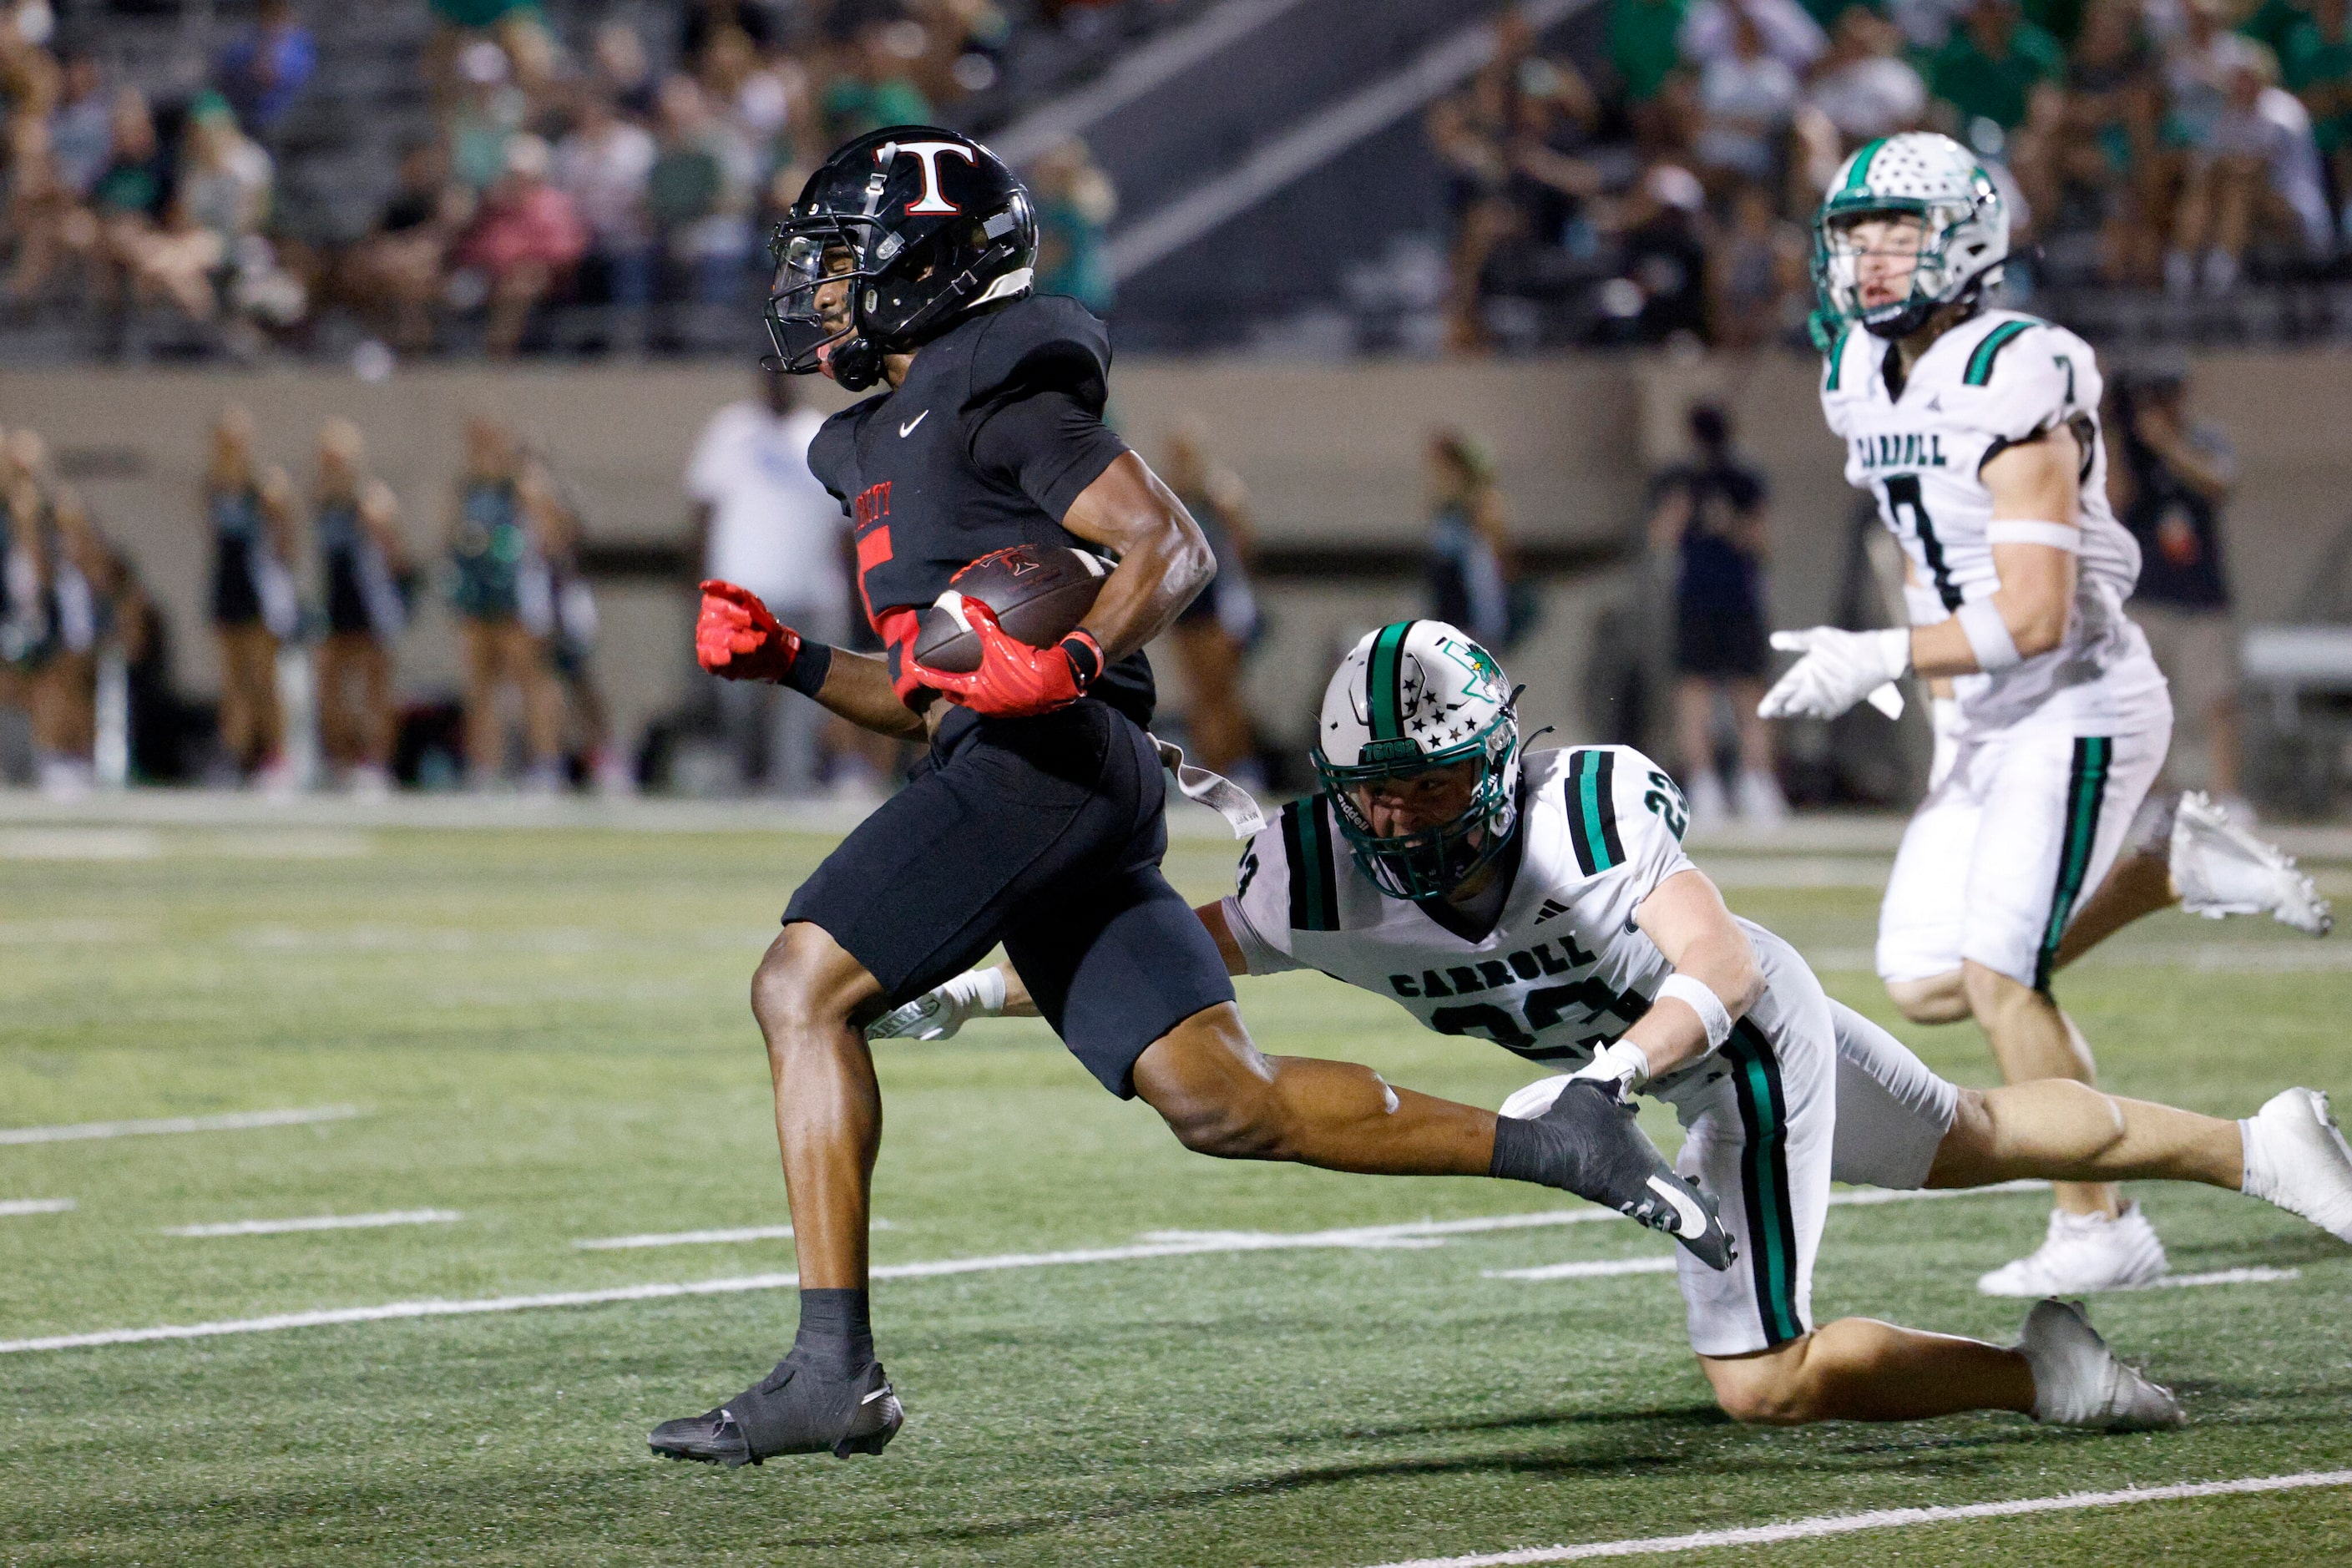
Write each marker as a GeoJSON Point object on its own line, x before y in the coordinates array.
{"type": "Point", "coordinates": [1039, 592]}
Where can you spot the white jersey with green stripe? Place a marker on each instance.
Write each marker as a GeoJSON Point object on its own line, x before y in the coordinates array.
{"type": "Point", "coordinates": [1565, 969]}
{"type": "Point", "coordinates": [1996, 380]}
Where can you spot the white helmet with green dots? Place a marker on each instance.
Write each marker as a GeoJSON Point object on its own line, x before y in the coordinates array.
{"type": "Point", "coordinates": [1963, 239]}
{"type": "Point", "coordinates": [1409, 698]}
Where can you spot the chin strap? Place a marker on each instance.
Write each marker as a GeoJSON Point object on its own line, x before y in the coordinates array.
{"type": "Point", "coordinates": [1219, 794]}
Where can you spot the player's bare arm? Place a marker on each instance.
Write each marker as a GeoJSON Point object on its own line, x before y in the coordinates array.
{"type": "Point", "coordinates": [1686, 917]}
{"type": "Point", "coordinates": [1163, 558]}
{"type": "Point", "coordinates": [2033, 482]}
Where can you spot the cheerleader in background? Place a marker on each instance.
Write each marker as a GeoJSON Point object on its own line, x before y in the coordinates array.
{"type": "Point", "coordinates": [250, 512]}
{"type": "Point", "coordinates": [498, 563]}
{"type": "Point", "coordinates": [49, 625]}
{"type": "Point", "coordinates": [366, 574]}
{"type": "Point", "coordinates": [560, 610]}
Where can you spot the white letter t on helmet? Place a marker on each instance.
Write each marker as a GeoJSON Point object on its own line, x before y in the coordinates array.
{"type": "Point", "coordinates": [933, 202]}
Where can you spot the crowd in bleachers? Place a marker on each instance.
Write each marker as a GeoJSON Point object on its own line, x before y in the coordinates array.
{"type": "Point", "coordinates": [2171, 143]}
{"type": "Point", "coordinates": [632, 168]}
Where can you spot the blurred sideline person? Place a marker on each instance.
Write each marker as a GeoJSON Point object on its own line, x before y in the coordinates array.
{"type": "Point", "coordinates": [64, 690]}
{"type": "Point", "coordinates": [1976, 430]}
{"type": "Point", "coordinates": [1709, 515]}
{"type": "Point", "coordinates": [1544, 902]}
{"type": "Point", "coordinates": [568, 624]}
{"type": "Point", "coordinates": [249, 511]}
{"type": "Point", "coordinates": [2169, 488]}
{"type": "Point", "coordinates": [763, 522]}
{"type": "Point", "coordinates": [48, 621]}
{"type": "Point", "coordinates": [1213, 633]}
{"type": "Point", "coordinates": [496, 560]}
{"type": "Point", "coordinates": [1039, 816]}
{"type": "Point", "coordinates": [1469, 540]}
{"type": "Point", "coordinates": [364, 571]}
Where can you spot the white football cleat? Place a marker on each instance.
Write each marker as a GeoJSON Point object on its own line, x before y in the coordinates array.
{"type": "Point", "coordinates": [2084, 1253]}
{"type": "Point", "coordinates": [2219, 868]}
{"type": "Point", "coordinates": [2298, 1159]}
{"type": "Point", "coordinates": [2078, 1381]}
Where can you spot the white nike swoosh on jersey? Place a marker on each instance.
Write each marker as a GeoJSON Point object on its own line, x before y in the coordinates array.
{"type": "Point", "coordinates": [909, 427]}
{"type": "Point", "coordinates": [1694, 1218]}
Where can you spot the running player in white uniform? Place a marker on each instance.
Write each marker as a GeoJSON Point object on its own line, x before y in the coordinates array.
{"type": "Point", "coordinates": [1977, 432]}
{"type": "Point", "coordinates": [1546, 904]}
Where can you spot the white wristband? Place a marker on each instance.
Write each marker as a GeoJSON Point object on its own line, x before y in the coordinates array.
{"type": "Point", "coordinates": [987, 992]}
{"type": "Point", "coordinates": [1987, 636]}
{"type": "Point", "coordinates": [1695, 995]}
{"type": "Point", "coordinates": [2019, 531]}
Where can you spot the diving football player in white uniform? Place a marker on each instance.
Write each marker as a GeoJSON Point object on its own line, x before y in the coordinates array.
{"type": "Point", "coordinates": [1977, 432]}
{"type": "Point", "coordinates": [1545, 903]}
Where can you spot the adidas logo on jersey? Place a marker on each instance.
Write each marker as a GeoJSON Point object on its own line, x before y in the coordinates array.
{"type": "Point", "coordinates": [1552, 907]}
{"type": "Point", "coordinates": [1905, 449]}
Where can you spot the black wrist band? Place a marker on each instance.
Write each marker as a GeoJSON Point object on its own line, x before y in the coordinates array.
{"type": "Point", "coordinates": [1085, 660]}
{"type": "Point", "coordinates": [809, 669]}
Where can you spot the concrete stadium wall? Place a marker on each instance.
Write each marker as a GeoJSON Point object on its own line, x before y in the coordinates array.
{"type": "Point", "coordinates": [1332, 456]}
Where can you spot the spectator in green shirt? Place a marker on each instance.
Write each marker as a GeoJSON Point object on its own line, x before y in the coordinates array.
{"type": "Point", "coordinates": [1989, 66]}
{"type": "Point", "coordinates": [2317, 65]}
{"type": "Point", "coordinates": [1641, 43]}
{"type": "Point", "coordinates": [2274, 21]}
{"type": "Point", "coordinates": [875, 93]}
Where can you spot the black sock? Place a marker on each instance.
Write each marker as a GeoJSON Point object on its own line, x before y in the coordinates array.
{"type": "Point", "coordinates": [837, 1329]}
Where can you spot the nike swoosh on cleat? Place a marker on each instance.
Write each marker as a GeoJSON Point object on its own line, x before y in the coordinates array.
{"type": "Point", "coordinates": [884, 1391]}
{"type": "Point", "coordinates": [1693, 1217]}
{"type": "Point", "coordinates": [909, 427]}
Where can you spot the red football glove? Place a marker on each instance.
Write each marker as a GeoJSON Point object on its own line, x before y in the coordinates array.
{"type": "Point", "coordinates": [736, 638]}
{"type": "Point", "coordinates": [1016, 681]}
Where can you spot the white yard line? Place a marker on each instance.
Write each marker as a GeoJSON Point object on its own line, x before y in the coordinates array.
{"type": "Point", "coordinates": [1595, 1269]}
{"type": "Point", "coordinates": [1177, 1244]}
{"type": "Point", "coordinates": [2225, 1276]}
{"type": "Point", "coordinates": [320, 1221]}
{"type": "Point", "coordinates": [701, 1237]}
{"type": "Point", "coordinates": [1883, 1518]}
{"type": "Point", "coordinates": [232, 1122]}
{"type": "Point", "coordinates": [685, 1237]}
{"type": "Point", "coordinates": [80, 844]}
{"type": "Point", "coordinates": [13, 1206]}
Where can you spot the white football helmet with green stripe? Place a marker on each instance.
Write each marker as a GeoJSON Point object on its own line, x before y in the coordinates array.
{"type": "Point", "coordinates": [1964, 239]}
{"type": "Point", "coordinates": [1412, 696]}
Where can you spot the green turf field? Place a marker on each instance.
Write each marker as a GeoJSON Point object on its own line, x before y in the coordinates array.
{"type": "Point", "coordinates": [546, 1032]}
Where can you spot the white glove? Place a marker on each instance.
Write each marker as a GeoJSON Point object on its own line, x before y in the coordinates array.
{"type": "Point", "coordinates": [1623, 1066]}
{"type": "Point", "coordinates": [1944, 718]}
{"type": "Point", "coordinates": [1839, 670]}
{"type": "Point", "coordinates": [941, 1011]}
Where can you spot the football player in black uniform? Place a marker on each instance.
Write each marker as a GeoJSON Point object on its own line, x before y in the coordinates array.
{"type": "Point", "coordinates": [1036, 818]}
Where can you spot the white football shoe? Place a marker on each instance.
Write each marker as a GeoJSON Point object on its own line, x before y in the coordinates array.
{"type": "Point", "coordinates": [2078, 1381]}
{"type": "Point", "coordinates": [2298, 1159]}
{"type": "Point", "coordinates": [2219, 868]}
{"type": "Point", "coordinates": [2084, 1253]}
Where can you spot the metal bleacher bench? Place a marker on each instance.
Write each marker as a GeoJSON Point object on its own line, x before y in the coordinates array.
{"type": "Point", "coordinates": [2287, 661]}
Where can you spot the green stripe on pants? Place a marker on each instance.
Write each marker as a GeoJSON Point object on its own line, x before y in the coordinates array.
{"type": "Point", "coordinates": [2087, 790]}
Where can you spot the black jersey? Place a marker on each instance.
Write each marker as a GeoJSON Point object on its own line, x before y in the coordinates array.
{"type": "Point", "coordinates": [997, 430]}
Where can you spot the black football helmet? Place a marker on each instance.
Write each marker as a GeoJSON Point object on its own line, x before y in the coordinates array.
{"type": "Point", "coordinates": [921, 223]}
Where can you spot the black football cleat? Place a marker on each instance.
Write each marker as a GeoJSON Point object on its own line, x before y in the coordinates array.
{"type": "Point", "coordinates": [795, 1409]}
{"type": "Point", "coordinates": [1587, 1143]}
